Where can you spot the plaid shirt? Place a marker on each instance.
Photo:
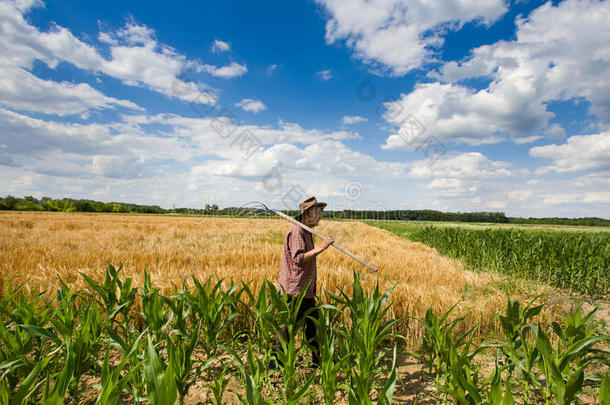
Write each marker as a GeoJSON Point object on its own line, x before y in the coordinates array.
{"type": "Point", "coordinates": [295, 273]}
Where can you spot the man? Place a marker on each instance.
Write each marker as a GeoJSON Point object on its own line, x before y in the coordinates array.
{"type": "Point", "coordinates": [299, 265]}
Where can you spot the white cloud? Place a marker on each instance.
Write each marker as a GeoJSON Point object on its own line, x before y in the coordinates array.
{"type": "Point", "coordinates": [560, 53]}
{"type": "Point", "coordinates": [27, 139]}
{"type": "Point", "coordinates": [226, 72]}
{"type": "Point", "coordinates": [250, 105]}
{"type": "Point", "coordinates": [527, 139]}
{"type": "Point", "coordinates": [577, 198]}
{"type": "Point", "coordinates": [220, 46]}
{"type": "Point", "coordinates": [325, 75]}
{"type": "Point", "coordinates": [455, 113]}
{"type": "Point", "coordinates": [520, 195]}
{"type": "Point", "coordinates": [271, 68]}
{"type": "Point", "coordinates": [400, 35]}
{"type": "Point", "coordinates": [580, 152]}
{"type": "Point", "coordinates": [555, 131]}
{"type": "Point", "coordinates": [118, 167]}
{"type": "Point", "coordinates": [353, 119]}
{"type": "Point", "coordinates": [460, 174]}
{"type": "Point", "coordinates": [19, 89]}
{"type": "Point", "coordinates": [136, 57]}
{"type": "Point", "coordinates": [323, 168]}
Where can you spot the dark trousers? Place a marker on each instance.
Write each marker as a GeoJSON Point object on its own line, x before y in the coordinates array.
{"type": "Point", "coordinates": [310, 326]}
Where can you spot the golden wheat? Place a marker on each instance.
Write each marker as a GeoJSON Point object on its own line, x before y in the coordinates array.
{"type": "Point", "coordinates": [38, 248]}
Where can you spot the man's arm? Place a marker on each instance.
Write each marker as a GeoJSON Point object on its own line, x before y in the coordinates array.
{"type": "Point", "coordinates": [326, 242]}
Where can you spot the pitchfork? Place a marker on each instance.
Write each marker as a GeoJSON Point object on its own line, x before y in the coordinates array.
{"type": "Point", "coordinates": [256, 207]}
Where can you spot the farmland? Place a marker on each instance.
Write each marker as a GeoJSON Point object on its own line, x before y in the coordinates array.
{"type": "Point", "coordinates": [575, 261]}
{"type": "Point", "coordinates": [190, 315]}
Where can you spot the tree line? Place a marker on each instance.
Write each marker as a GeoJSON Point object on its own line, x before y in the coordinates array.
{"type": "Point", "coordinates": [29, 203]}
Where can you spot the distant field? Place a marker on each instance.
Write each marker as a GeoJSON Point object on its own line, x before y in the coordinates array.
{"type": "Point", "coordinates": [578, 261]}
{"type": "Point", "coordinates": [479, 225]}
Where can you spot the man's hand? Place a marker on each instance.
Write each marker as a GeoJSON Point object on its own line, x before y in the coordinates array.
{"type": "Point", "coordinates": [326, 242]}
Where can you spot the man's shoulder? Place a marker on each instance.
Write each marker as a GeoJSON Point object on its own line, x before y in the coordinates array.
{"type": "Point", "coordinates": [296, 230]}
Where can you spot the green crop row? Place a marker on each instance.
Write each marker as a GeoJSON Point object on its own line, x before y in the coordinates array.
{"type": "Point", "coordinates": [140, 346]}
{"type": "Point", "coordinates": [143, 347]}
{"type": "Point", "coordinates": [576, 261]}
{"type": "Point", "coordinates": [525, 361]}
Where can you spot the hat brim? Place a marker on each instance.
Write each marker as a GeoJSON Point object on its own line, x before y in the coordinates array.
{"type": "Point", "coordinates": [322, 205]}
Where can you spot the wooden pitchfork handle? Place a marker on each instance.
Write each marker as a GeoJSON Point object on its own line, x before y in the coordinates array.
{"type": "Point", "coordinates": [334, 244]}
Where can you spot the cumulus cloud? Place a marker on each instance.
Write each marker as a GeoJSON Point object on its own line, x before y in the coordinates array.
{"type": "Point", "coordinates": [228, 71]}
{"type": "Point", "coordinates": [555, 131]}
{"type": "Point", "coordinates": [401, 35]}
{"type": "Point", "coordinates": [324, 167]}
{"type": "Point", "coordinates": [580, 152]}
{"type": "Point", "coordinates": [456, 113]}
{"type": "Point", "coordinates": [460, 174]}
{"type": "Point", "coordinates": [136, 57]}
{"type": "Point", "coordinates": [325, 75]}
{"type": "Point", "coordinates": [560, 53]}
{"type": "Point", "coordinates": [353, 119]}
{"type": "Point", "coordinates": [220, 46]}
{"type": "Point", "coordinates": [19, 89]}
{"type": "Point", "coordinates": [251, 105]}
{"type": "Point", "coordinates": [527, 139]}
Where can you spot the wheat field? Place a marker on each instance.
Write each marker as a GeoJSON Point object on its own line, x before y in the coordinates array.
{"type": "Point", "coordinates": [36, 249]}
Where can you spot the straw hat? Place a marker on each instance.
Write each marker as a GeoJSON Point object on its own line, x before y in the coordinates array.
{"type": "Point", "coordinates": [307, 204]}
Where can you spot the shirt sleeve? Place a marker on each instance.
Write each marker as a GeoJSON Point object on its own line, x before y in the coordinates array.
{"type": "Point", "coordinates": [297, 247]}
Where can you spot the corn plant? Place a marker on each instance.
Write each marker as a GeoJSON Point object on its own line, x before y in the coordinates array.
{"type": "Point", "coordinates": [65, 317]}
{"type": "Point", "coordinates": [28, 389]}
{"type": "Point", "coordinates": [86, 344]}
{"type": "Point", "coordinates": [369, 329]}
{"type": "Point", "coordinates": [285, 325]}
{"type": "Point", "coordinates": [16, 344]}
{"type": "Point", "coordinates": [564, 368]}
{"type": "Point", "coordinates": [259, 309]}
{"type": "Point", "coordinates": [131, 345]}
{"type": "Point", "coordinates": [211, 305]}
{"type": "Point", "coordinates": [219, 385]}
{"type": "Point", "coordinates": [253, 395]}
{"type": "Point", "coordinates": [61, 382]}
{"type": "Point", "coordinates": [253, 370]}
{"type": "Point", "coordinates": [27, 310]}
{"type": "Point", "coordinates": [604, 391]}
{"type": "Point", "coordinates": [155, 313]}
{"type": "Point", "coordinates": [180, 353]}
{"type": "Point", "coordinates": [434, 340]}
{"type": "Point", "coordinates": [331, 362]}
{"type": "Point", "coordinates": [160, 381]}
{"type": "Point", "coordinates": [180, 310]}
{"type": "Point", "coordinates": [520, 352]}
{"type": "Point", "coordinates": [466, 386]}
{"type": "Point", "coordinates": [495, 395]}
{"type": "Point", "coordinates": [114, 303]}
{"type": "Point", "coordinates": [113, 384]}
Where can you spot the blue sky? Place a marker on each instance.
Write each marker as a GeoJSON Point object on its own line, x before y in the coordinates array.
{"type": "Point", "coordinates": [384, 104]}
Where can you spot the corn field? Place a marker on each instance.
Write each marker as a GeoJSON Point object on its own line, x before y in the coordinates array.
{"type": "Point", "coordinates": [575, 261]}
{"type": "Point", "coordinates": [113, 343]}
{"type": "Point", "coordinates": [193, 313]}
